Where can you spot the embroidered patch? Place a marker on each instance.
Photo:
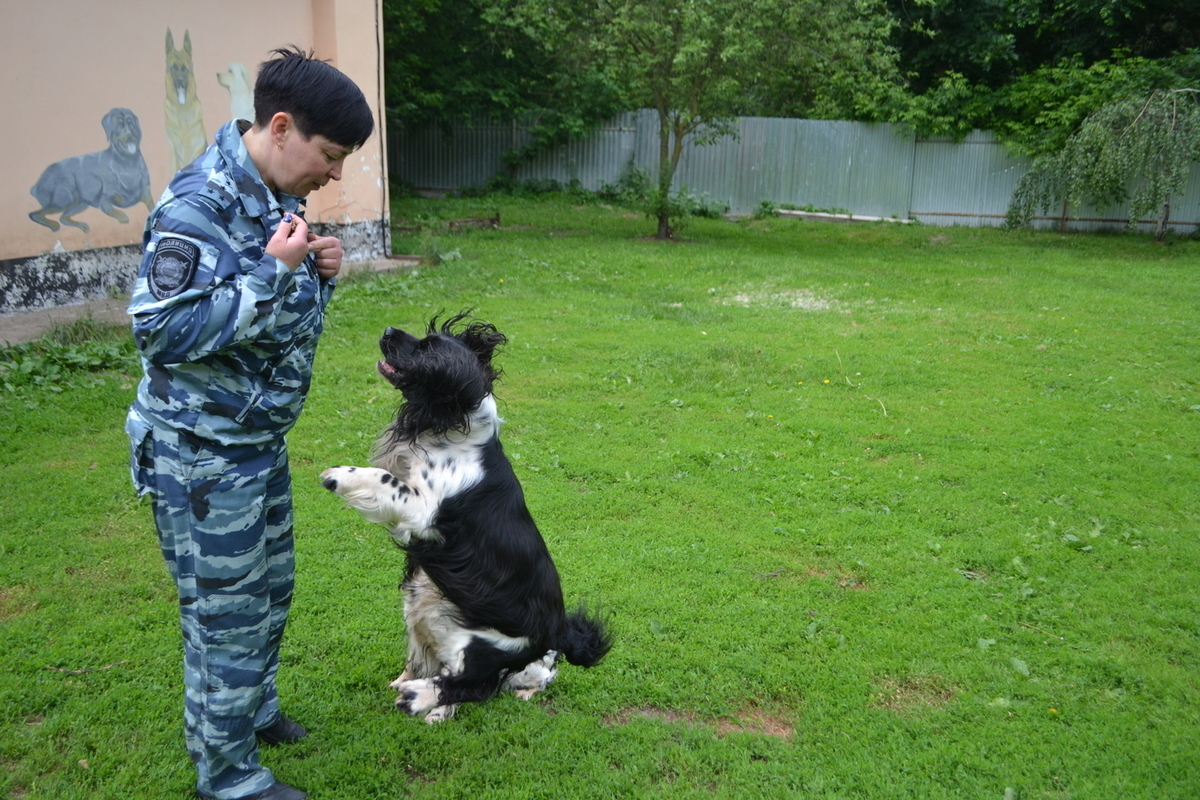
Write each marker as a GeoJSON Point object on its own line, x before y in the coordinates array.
{"type": "Point", "coordinates": [174, 265]}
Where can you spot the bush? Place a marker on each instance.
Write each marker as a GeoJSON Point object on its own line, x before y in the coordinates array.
{"type": "Point", "coordinates": [766, 210]}
{"type": "Point", "coordinates": [633, 188]}
{"type": "Point", "coordinates": [66, 355]}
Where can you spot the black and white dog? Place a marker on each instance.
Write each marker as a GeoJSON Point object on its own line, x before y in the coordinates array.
{"type": "Point", "coordinates": [482, 600]}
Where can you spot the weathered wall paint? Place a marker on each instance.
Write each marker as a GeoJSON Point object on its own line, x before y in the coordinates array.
{"type": "Point", "coordinates": [173, 72]}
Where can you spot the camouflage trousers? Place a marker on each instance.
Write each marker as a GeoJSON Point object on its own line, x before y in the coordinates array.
{"type": "Point", "coordinates": [224, 517]}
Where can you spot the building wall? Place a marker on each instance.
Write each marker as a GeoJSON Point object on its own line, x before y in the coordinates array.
{"type": "Point", "coordinates": [105, 101]}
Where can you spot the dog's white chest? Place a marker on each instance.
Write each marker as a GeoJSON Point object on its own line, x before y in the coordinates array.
{"type": "Point", "coordinates": [445, 471]}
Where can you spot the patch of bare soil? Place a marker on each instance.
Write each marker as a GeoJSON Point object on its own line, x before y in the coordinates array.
{"type": "Point", "coordinates": [15, 601]}
{"type": "Point", "coordinates": [912, 692]}
{"type": "Point", "coordinates": [748, 720]}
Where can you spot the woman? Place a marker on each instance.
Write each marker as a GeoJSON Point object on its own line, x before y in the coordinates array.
{"type": "Point", "coordinates": [227, 311]}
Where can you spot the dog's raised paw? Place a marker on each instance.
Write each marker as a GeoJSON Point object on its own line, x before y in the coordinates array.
{"type": "Point", "coordinates": [334, 477]}
{"type": "Point", "coordinates": [337, 479]}
{"type": "Point", "coordinates": [534, 678]}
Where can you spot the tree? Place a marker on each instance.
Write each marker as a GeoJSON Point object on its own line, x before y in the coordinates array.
{"type": "Point", "coordinates": [698, 63]}
{"type": "Point", "coordinates": [1003, 64]}
{"type": "Point", "coordinates": [1147, 141]}
{"type": "Point", "coordinates": [445, 63]}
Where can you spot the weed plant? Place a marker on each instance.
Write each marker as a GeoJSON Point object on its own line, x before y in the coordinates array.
{"type": "Point", "coordinates": [70, 356]}
{"type": "Point", "coordinates": [875, 511]}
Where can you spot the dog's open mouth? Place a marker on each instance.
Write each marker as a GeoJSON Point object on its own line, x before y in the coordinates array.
{"type": "Point", "coordinates": [387, 370]}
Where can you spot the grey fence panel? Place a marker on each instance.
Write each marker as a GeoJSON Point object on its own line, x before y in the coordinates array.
{"type": "Point", "coordinates": [596, 161]}
{"type": "Point", "coordinates": [963, 183]}
{"type": "Point", "coordinates": [869, 170]}
{"type": "Point", "coordinates": [880, 170]}
{"type": "Point", "coordinates": [468, 156]}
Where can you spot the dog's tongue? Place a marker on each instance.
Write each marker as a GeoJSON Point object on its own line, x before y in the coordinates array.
{"type": "Point", "coordinates": [385, 369]}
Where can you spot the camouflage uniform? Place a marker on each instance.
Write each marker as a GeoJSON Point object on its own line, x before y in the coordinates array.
{"type": "Point", "coordinates": [227, 336]}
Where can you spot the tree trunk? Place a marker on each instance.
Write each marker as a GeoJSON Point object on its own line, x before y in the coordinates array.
{"type": "Point", "coordinates": [1160, 230]}
{"type": "Point", "coordinates": [664, 226]}
{"type": "Point", "coordinates": [666, 172]}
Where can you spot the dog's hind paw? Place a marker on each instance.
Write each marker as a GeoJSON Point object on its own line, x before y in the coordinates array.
{"type": "Point", "coordinates": [534, 678]}
{"type": "Point", "coordinates": [441, 714]}
{"type": "Point", "coordinates": [417, 696]}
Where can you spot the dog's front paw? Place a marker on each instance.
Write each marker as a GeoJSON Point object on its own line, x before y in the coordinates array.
{"type": "Point", "coordinates": [417, 696]}
{"type": "Point", "coordinates": [338, 479]}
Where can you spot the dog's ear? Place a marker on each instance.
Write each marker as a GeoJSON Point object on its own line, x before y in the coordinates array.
{"type": "Point", "coordinates": [480, 337]}
{"type": "Point", "coordinates": [441, 394]}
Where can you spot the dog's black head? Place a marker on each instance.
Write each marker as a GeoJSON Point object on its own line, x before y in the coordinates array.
{"type": "Point", "coordinates": [443, 377]}
{"type": "Point", "coordinates": [123, 131]}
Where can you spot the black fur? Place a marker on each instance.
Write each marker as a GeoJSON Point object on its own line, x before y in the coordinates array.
{"type": "Point", "coordinates": [441, 386]}
{"type": "Point", "coordinates": [488, 557]}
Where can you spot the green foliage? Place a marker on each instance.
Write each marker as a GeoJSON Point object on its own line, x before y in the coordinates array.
{"type": "Point", "coordinates": [1038, 112]}
{"type": "Point", "coordinates": [632, 188]}
{"type": "Point", "coordinates": [1145, 142]}
{"type": "Point", "coordinates": [505, 185]}
{"type": "Point", "coordinates": [766, 210]}
{"type": "Point", "coordinates": [69, 356]}
{"type": "Point", "coordinates": [828, 61]}
{"type": "Point", "coordinates": [1032, 70]}
{"type": "Point", "coordinates": [697, 62]}
{"type": "Point", "coordinates": [682, 204]}
{"type": "Point", "coordinates": [446, 63]}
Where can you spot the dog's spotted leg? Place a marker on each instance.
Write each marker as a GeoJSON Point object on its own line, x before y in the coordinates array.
{"type": "Point", "coordinates": [380, 497]}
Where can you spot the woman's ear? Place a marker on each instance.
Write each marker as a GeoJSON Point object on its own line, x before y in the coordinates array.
{"type": "Point", "coordinates": [280, 127]}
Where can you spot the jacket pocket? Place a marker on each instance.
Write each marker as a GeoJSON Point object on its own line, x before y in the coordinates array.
{"type": "Point", "coordinates": [141, 452]}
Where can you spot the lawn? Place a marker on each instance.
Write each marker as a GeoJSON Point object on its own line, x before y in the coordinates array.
{"type": "Point", "coordinates": [875, 511]}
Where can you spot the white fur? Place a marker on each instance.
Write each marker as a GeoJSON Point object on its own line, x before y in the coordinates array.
{"type": "Point", "coordinates": [438, 467]}
{"type": "Point", "coordinates": [435, 468]}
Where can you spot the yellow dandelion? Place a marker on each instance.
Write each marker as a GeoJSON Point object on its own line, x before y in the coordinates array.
{"type": "Point", "coordinates": [827, 380]}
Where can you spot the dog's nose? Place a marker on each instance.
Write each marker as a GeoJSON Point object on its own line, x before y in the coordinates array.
{"type": "Point", "coordinates": [390, 332]}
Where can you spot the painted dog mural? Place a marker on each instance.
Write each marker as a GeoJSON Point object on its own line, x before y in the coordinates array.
{"type": "Point", "coordinates": [109, 179]}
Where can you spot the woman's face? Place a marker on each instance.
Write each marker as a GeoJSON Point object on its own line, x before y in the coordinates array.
{"type": "Point", "coordinates": [307, 164]}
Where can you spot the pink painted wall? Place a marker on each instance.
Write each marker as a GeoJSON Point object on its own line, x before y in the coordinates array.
{"type": "Point", "coordinates": [64, 64]}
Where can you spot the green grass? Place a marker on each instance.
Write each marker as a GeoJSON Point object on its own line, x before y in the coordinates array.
{"type": "Point", "coordinates": [876, 511]}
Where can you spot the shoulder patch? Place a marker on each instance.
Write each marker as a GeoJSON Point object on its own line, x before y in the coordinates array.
{"type": "Point", "coordinates": [173, 267]}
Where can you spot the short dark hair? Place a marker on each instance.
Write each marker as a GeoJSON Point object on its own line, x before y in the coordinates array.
{"type": "Point", "coordinates": [321, 100]}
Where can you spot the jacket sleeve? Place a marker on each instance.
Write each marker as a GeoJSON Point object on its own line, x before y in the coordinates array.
{"type": "Point", "coordinates": [199, 292]}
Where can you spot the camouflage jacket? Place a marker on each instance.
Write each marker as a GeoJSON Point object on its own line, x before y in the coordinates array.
{"type": "Point", "coordinates": [227, 333]}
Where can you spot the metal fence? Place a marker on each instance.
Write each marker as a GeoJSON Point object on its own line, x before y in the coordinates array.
{"type": "Point", "coordinates": [877, 170]}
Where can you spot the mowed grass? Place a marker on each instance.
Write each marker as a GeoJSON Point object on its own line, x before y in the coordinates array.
{"type": "Point", "coordinates": [874, 511]}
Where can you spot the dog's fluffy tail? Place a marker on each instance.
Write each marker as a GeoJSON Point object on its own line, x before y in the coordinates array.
{"type": "Point", "coordinates": [585, 639]}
